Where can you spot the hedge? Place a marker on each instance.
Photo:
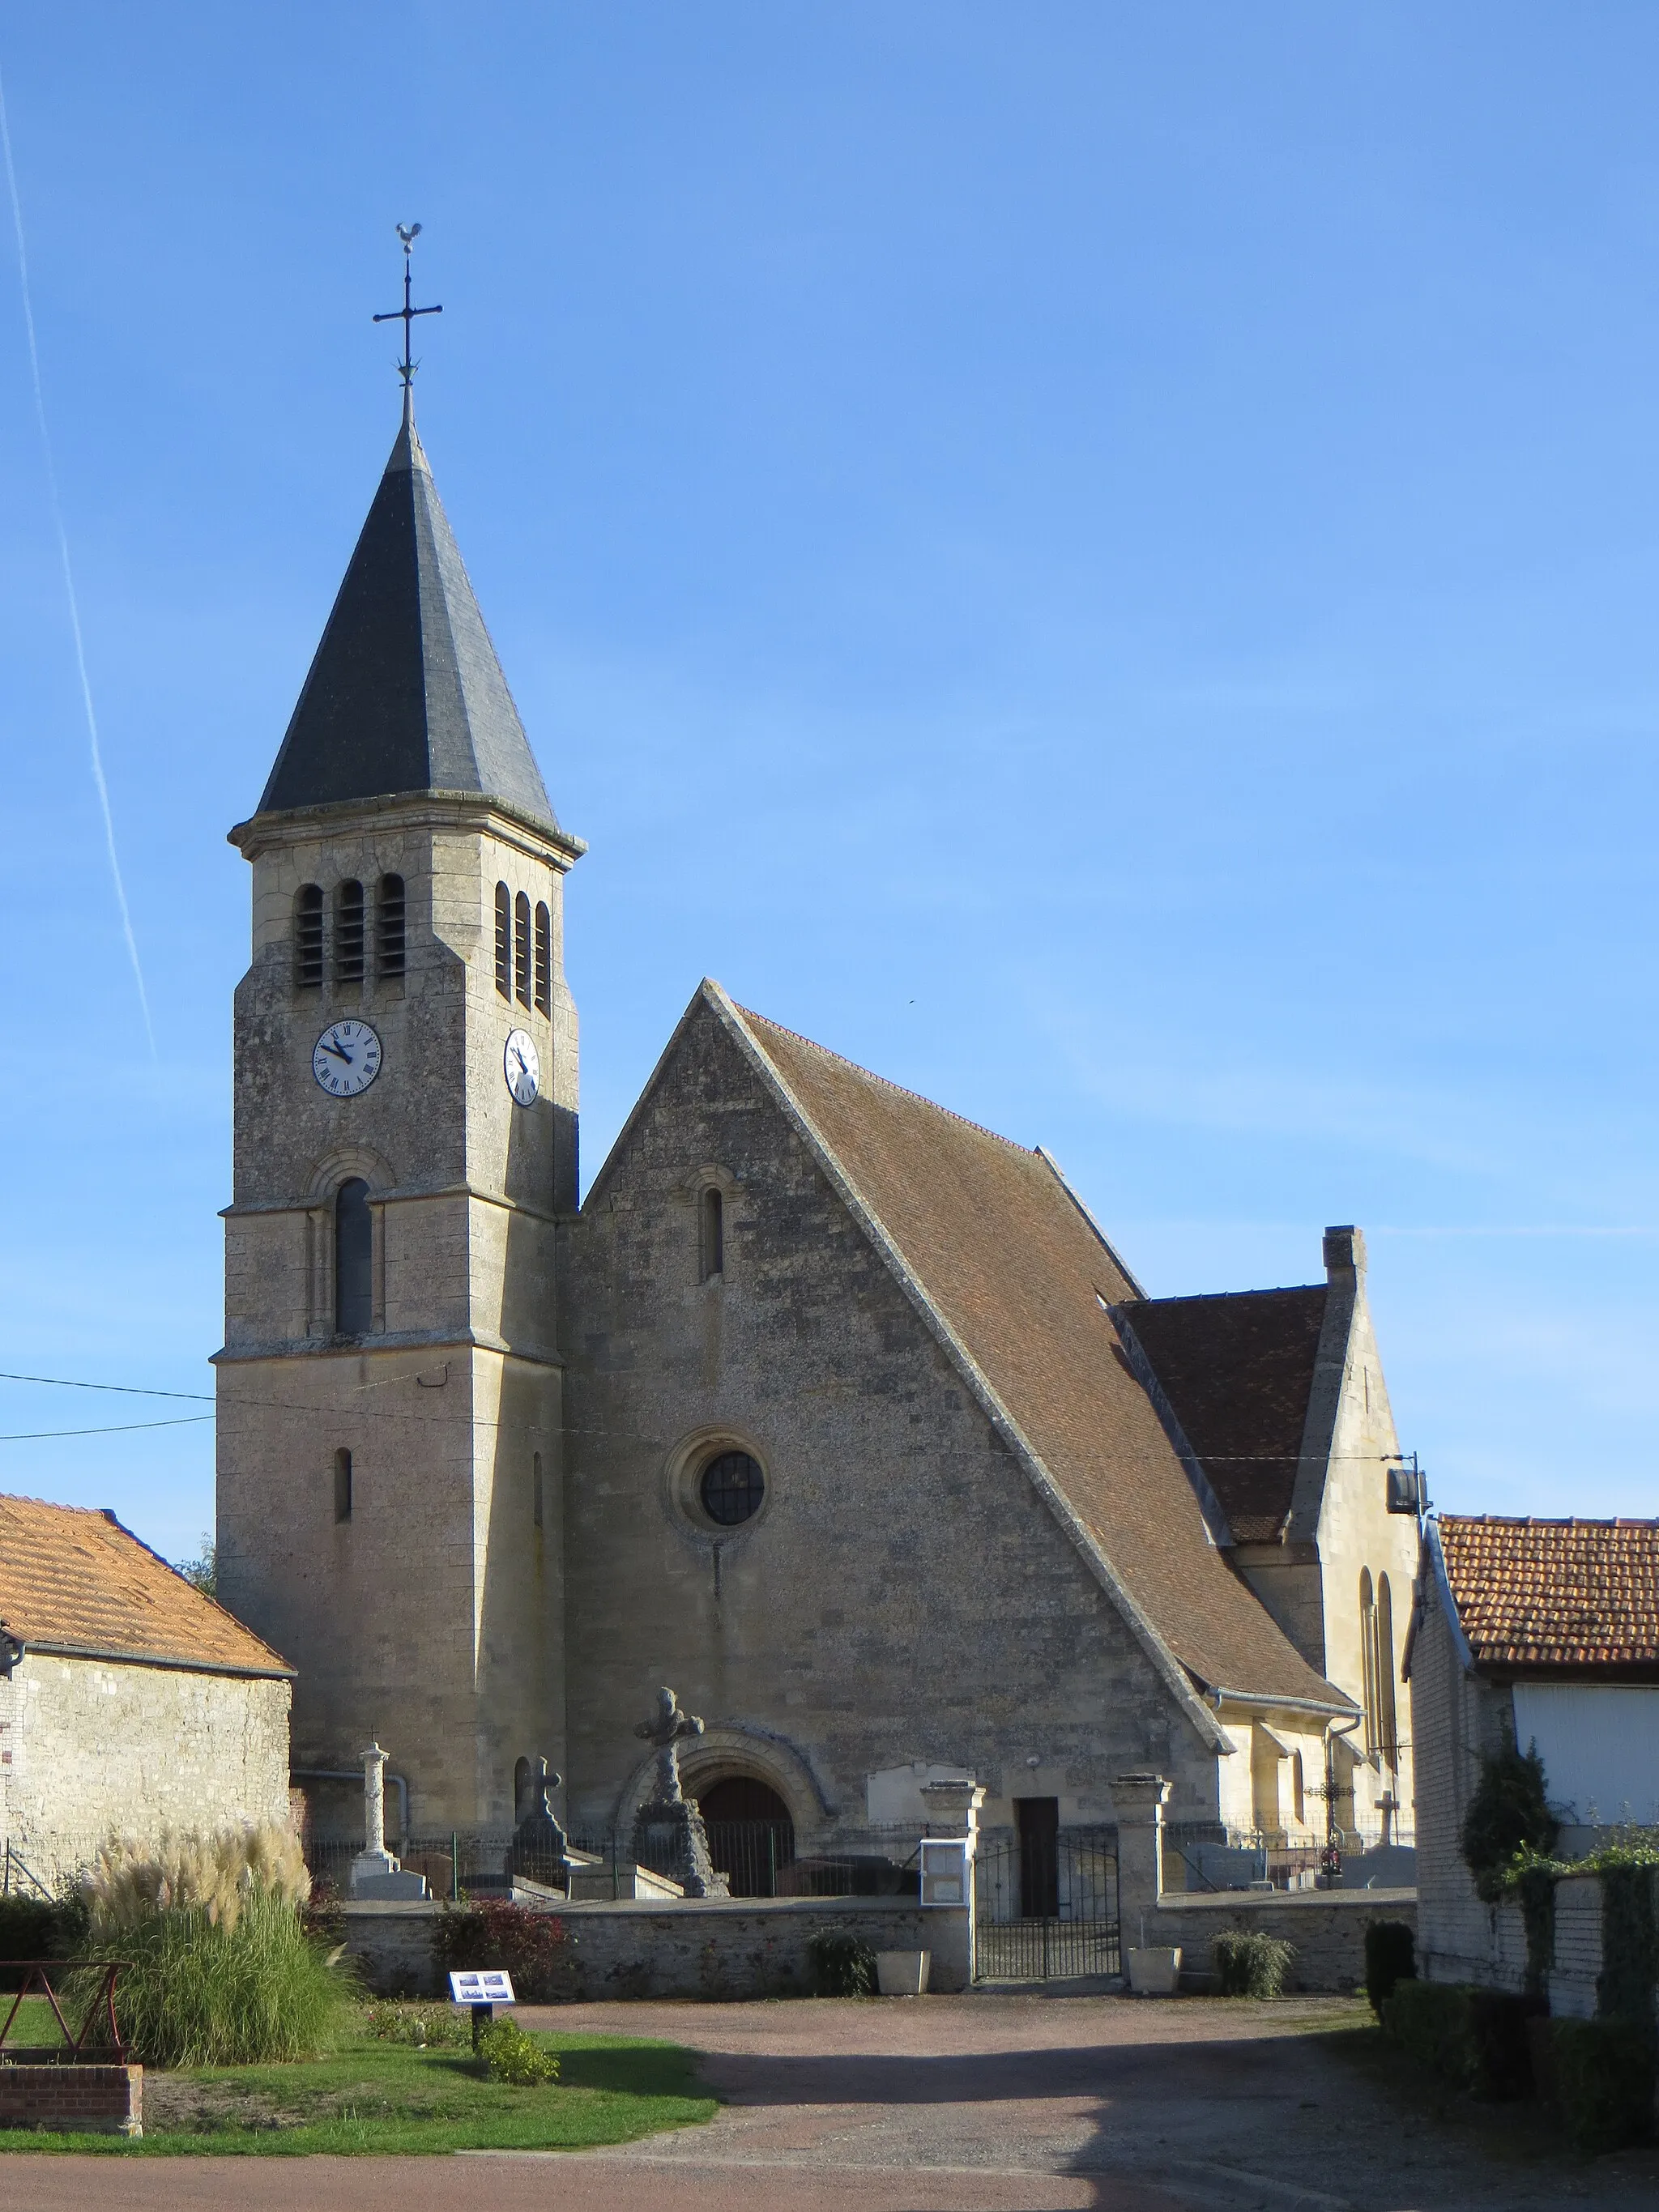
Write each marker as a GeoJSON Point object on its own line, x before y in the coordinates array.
{"type": "Point", "coordinates": [1604, 2080]}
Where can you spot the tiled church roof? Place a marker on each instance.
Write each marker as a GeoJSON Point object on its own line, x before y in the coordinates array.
{"type": "Point", "coordinates": [405, 692]}
{"type": "Point", "coordinates": [73, 1580]}
{"type": "Point", "coordinates": [1554, 1593]}
{"type": "Point", "coordinates": [1009, 1260]}
{"type": "Point", "coordinates": [1237, 1371]}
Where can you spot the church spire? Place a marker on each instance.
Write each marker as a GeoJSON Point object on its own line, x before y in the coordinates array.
{"type": "Point", "coordinates": [405, 692]}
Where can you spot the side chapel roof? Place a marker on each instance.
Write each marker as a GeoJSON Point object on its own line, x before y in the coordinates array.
{"type": "Point", "coordinates": [1009, 1260]}
{"type": "Point", "coordinates": [73, 1580]}
{"type": "Point", "coordinates": [1556, 1594]}
{"type": "Point", "coordinates": [405, 692]}
{"type": "Point", "coordinates": [1239, 1371]}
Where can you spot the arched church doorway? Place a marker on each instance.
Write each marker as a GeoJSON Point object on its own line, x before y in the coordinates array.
{"type": "Point", "coordinates": [751, 1837]}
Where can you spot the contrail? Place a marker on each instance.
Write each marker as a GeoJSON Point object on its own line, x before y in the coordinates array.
{"type": "Point", "coordinates": [68, 574]}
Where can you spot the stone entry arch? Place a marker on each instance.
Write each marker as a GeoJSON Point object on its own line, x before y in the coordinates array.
{"type": "Point", "coordinates": [751, 1832]}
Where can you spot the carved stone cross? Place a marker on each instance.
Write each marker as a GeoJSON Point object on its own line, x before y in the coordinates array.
{"type": "Point", "coordinates": [668, 1730]}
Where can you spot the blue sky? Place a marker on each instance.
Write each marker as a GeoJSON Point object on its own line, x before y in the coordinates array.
{"type": "Point", "coordinates": [1097, 560]}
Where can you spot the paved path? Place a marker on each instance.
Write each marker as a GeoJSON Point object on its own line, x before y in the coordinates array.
{"type": "Point", "coordinates": [986, 2104]}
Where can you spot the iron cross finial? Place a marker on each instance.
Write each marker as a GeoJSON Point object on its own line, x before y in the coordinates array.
{"type": "Point", "coordinates": [408, 232]}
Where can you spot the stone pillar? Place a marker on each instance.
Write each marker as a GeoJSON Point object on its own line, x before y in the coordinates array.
{"type": "Point", "coordinates": [954, 1805]}
{"type": "Point", "coordinates": [1139, 1800]}
{"type": "Point", "coordinates": [374, 1805]}
{"type": "Point", "coordinates": [374, 1873]}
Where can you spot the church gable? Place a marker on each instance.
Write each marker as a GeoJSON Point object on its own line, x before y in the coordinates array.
{"type": "Point", "coordinates": [905, 1592]}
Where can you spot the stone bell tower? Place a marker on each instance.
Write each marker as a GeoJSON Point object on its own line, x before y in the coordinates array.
{"type": "Point", "coordinates": [389, 1500]}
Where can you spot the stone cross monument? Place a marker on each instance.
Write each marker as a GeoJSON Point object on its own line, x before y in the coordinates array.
{"type": "Point", "coordinates": [669, 1836]}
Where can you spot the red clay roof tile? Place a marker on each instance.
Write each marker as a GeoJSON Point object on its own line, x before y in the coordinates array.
{"type": "Point", "coordinates": [1554, 1593]}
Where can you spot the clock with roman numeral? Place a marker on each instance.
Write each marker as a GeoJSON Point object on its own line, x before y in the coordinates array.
{"type": "Point", "coordinates": [346, 1058]}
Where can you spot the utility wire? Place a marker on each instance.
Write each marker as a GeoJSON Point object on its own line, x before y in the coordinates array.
{"type": "Point", "coordinates": [123, 1389]}
{"type": "Point", "coordinates": [69, 573]}
{"type": "Point", "coordinates": [121, 1429]}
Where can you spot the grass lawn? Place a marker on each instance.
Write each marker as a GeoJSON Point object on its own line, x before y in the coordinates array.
{"type": "Point", "coordinates": [376, 2096]}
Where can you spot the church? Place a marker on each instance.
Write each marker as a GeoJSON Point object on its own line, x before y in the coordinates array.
{"type": "Point", "coordinates": [837, 1413]}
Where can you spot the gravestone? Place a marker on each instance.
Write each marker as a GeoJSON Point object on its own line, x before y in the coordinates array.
{"type": "Point", "coordinates": [669, 1836]}
{"type": "Point", "coordinates": [539, 1848]}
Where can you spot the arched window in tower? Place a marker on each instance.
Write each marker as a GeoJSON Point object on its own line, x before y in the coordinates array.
{"type": "Point", "coordinates": [711, 1235]}
{"type": "Point", "coordinates": [521, 946]}
{"type": "Point", "coordinates": [308, 936]}
{"type": "Point", "coordinates": [342, 1484]}
{"type": "Point", "coordinates": [354, 1259]}
{"type": "Point", "coordinates": [1368, 1658]}
{"type": "Point", "coordinates": [390, 905]}
{"type": "Point", "coordinates": [1388, 1726]}
{"type": "Point", "coordinates": [504, 940]}
{"type": "Point", "coordinates": [349, 932]}
{"type": "Point", "coordinates": [544, 958]}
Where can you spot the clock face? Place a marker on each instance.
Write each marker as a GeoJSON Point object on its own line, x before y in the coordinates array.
{"type": "Point", "coordinates": [346, 1058]}
{"type": "Point", "coordinates": [522, 1066]}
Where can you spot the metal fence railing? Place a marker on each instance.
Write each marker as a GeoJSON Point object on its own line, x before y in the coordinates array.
{"type": "Point", "coordinates": [1210, 1854]}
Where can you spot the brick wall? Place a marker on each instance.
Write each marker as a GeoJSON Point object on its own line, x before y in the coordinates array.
{"type": "Point", "coordinates": [719, 1950]}
{"type": "Point", "coordinates": [107, 2100]}
{"type": "Point", "coordinates": [1328, 1928]}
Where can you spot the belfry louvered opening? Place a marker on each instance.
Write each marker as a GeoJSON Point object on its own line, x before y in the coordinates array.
{"type": "Point", "coordinates": [308, 936]}
{"type": "Point", "coordinates": [504, 940]}
{"type": "Point", "coordinates": [349, 932]}
{"type": "Point", "coordinates": [543, 959]}
{"type": "Point", "coordinates": [390, 905]}
{"type": "Point", "coordinates": [521, 947]}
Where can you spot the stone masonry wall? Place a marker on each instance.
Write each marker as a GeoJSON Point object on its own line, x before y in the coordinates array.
{"type": "Point", "coordinates": [903, 1596]}
{"type": "Point", "coordinates": [97, 1747]}
{"type": "Point", "coordinates": [712, 1950]}
{"type": "Point", "coordinates": [1326, 1927]}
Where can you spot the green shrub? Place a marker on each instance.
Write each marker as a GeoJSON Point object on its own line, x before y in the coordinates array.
{"type": "Point", "coordinates": [533, 1946]}
{"type": "Point", "coordinates": [1507, 1817]}
{"type": "Point", "coordinates": [509, 2055]}
{"type": "Point", "coordinates": [843, 1965]}
{"type": "Point", "coordinates": [30, 1928]}
{"type": "Point", "coordinates": [1500, 2054]}
{"type": "Point", "coordinates": [424, 2026]}
{"type": "Point", "coordinates": [1629, 1941]}
{"type": "Point", "coordinates": [198, 1992]}
{"type": "Point", "coordinates": [1604, 2080]}
{"type": "Point", "coordinates": [1248, 1964]}
{"type": "Point", "coordinates": [1430, 2022]}
{"type": "Point", "coordinates": [1390, 1957]}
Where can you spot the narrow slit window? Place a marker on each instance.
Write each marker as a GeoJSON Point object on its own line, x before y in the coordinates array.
{"type": "Point", "coordinates": [349, 933]}
{"type": "Point", "coordinates": [711, 1238]}
{"type": "Point", "coordinates": [1387, 1722]}
{"type": "Point", "coordinates": [390, 905]}
{"type": "Point", "coordinates": [504, 940]}
{"type": "Point", "coordinates": [342, 1484]}
{"type": "Point", "coordinates": [521, 946]}
{"type": "Point", "coordinates": [354, 1259]}
{"type": "Point", "coordinates": [309, 937]}
{"type": "Point", "coordinates": [543, 959]}
{"type": "Point", "coordinates": [535, 1506]}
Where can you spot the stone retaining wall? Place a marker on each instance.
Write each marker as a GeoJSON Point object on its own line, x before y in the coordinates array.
{"type": "Point", "coordinates": [106, 2100]}
{"type": "Point", "coordinates": [1327, 1926]}
{"type": "Point", "coordinates": [711, 1949]}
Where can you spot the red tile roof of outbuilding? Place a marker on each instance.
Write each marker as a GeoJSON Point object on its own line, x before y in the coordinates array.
{"type": "Point", "coordinates": [1532, 1593]}
{"type": "Point", "coordinates": [74, 1580]}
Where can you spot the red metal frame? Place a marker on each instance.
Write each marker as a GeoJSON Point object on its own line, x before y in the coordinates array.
{"type": "Point", "coordinates": [40, 1971]}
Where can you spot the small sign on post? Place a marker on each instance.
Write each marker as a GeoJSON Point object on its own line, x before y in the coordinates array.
{"type": "Point", "coordinates": [482, 1992]}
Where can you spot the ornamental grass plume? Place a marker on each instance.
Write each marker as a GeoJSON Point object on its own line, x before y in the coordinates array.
{"type": "Point", "coordinates": [218, 1969]}
{"type": "Point", "coordinates": [212, 1876]}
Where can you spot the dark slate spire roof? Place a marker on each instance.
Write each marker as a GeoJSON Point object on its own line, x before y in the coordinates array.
{"type": "Point", "coordinates": [405, 692]}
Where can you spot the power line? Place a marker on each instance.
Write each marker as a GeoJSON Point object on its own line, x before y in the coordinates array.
{"type": "Point", "coordinates": [120, 1429]}
{"type": "Point", "coordinates": [124, 1389]}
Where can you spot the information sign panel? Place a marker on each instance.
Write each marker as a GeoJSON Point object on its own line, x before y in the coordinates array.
{"type": "Point", "coordinates": [490, 1989]}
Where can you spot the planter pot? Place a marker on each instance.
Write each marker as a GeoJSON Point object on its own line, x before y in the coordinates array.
{"type": "Point", "coordinates": [1155, 1972]}
{"type": "Point", "coordinates": [902, 1974]}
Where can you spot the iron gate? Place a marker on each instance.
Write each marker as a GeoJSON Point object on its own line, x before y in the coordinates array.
{"type": "Point", "coordinates": [1045, 1907]}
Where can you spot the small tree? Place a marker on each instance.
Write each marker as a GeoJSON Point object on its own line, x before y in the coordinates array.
{"type": "Point", "coordinates": [1507, 1815]}
{"type": "Point", "coordinates": [203, 1572]}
